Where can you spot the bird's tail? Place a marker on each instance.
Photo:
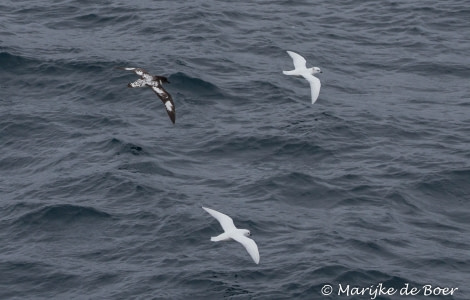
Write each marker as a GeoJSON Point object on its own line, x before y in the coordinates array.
{"type": "Point", "coordinates": [220, 237]}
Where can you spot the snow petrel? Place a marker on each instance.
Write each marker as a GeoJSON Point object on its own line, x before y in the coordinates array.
{"type": "Point", "coordinates": [233, 233]}
{"type": "Point", "coordinates": [300, 65]}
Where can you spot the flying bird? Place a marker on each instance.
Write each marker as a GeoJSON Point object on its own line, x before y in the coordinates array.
{"type": "Point", "coordinates": [155, 83]}
{"type": "Point", "coordinates": [300, 65]}
{"type": "Point", "coordinates": [233, 233]}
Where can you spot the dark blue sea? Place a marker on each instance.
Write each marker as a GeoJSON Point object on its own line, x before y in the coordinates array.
{"type": "Point", "coordinates": [363, 195]}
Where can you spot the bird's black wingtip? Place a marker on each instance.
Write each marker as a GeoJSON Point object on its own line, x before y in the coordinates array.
{"type": "Point", "coordinates": [172, 117]}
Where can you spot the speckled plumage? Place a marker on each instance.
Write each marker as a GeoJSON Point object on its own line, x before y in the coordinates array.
{"type": "Point", "coordinates": [155, 83]}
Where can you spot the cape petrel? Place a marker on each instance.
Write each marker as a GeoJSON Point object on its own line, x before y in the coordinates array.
{"type": "Point", "coordinates": [155, 83]}
{"type": "Point", "coordinates": [300, 65]}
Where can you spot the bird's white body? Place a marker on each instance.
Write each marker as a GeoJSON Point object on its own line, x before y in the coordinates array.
{"type": "Point", "coordinates": [233, 233]}
{"type": "Point", "coordinates": [301, 69]}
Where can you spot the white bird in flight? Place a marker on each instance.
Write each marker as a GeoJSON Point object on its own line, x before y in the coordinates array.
{"type": "Point", "coordinates": [233, 233]}
{"type": "Point", "coordinates": [300, 65]}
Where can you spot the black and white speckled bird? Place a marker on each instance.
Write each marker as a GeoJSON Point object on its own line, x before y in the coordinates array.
{"type": "Point", "coordinates": [155, 83]}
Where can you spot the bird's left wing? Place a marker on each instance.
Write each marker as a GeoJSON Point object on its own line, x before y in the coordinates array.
{"type": "Point", "coordinates": [139, 71]}
{"type": "Point", "coordinates": [299, 61]}
{"type": "Point", "coordinates": [225, 221]}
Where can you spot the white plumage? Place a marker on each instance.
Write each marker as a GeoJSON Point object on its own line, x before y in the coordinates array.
{"type": "Point", "coordinates": [233, 233]}
{"type": "Point", "coordinates": [301, 69]}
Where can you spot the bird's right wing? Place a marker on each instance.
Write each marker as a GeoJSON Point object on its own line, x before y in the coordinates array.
{"type": "Point", "coordinates": [249, 245]}
{"type": "Point", "coordinates": [315, 86]}
{"type": "Point", "coordinates": [225, 221]}
{"type": "Point", "coordinates": [167, 100]}
{"type": "Point", "coordinates": [299, 61]}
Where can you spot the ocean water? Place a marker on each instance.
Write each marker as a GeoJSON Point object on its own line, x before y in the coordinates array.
{"type": "Point", "coordinates": [101, 195]}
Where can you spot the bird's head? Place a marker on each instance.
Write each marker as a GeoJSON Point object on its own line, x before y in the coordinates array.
{"type": "Point", "coordinates": [162, 79]}
{"type": "Point", "coordinates": [315, 70]}
{"type": "Point", "coordinates": [246, 232]}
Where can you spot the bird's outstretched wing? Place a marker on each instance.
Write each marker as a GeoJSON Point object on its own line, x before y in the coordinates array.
{"type": "Point", "coordinates": [137, 83]}
{"type": "Point", "coordinates": [225, 221]}
{"type": "Point", "coordinates": [315, 86]}
{"type": "Point", "coordinates": [249, 245]}
{"type": "Point", "coordinates": [167, 100]}
{"type": "Point", "coordinates": [299, 61]}
{"type": "Point", "coordinates": [139, 71]}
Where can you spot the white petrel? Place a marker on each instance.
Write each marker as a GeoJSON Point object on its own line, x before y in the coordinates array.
{"type": "Point", "coordinates": [300, 65]}
{"type": "Point", "coordinates": [155, 83]}
{"type": "Point", "coordinates": [233, 233]}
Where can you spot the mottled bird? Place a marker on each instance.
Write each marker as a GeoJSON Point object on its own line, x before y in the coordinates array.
{"type": "Point", "coordinates": [155, 83]}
